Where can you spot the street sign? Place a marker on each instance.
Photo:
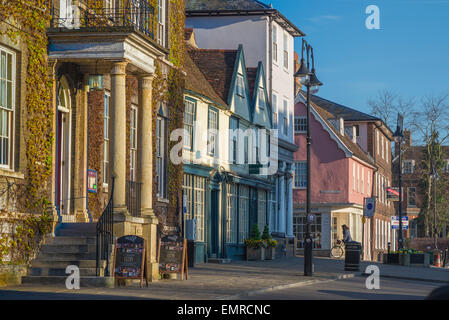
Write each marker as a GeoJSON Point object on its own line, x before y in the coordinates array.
{"type": "Point", "coordinates": [370, 207]}
{"type": "Point", "coordinates": [392, 193]}
{"type": "Point", "coordinates": [395, 223]}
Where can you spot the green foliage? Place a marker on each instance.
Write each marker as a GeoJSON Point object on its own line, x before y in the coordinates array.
{"type": "Point", "coordinates": [20, 236]}
{"type": "Point", "coordinates": [255, 244]}
{"type": "Point", "coordinates": [266, 233]}
{"type": "Point", "coordinates": [255, 233]}
{"type": "Point", "coordinates": [28, 21]}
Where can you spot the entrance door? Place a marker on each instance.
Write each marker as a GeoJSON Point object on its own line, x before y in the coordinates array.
{"type": "Point", "coordinates": [63, 147]}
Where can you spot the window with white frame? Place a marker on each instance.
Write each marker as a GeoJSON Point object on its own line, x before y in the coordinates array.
{"type": "Point", "coordinates": [285, 51]}
{"type": "Point", "coordinates": [261, 98]}
{"type": "Point", "coordinates": [234, 138]}
{"type": "Point", "coordinates": [212, 132]}
{"type": "Point", "coordinates": [107, 100]}
{"type": "Point", "coordinates": [161, 154]}
{"type": "Point", "coordinates": [275, 43]}
{"type": "Point", "coordinates": [301, 174]}
{"type": "Point", "coordinates": [285, 124]}
{"type": "Point", "coordinates": [363, 180]}
{"type": "Point", "coordinates": [300, 124]}
{"type": "Point", "coordinates": [275, 115]}
{"type": "Point", "coordinates": [243, 213]}
{"type": "Point", "coordinates": [133, 143]}
{"type": "Point", "coordinates": [262, 209]}
{"type": "Point", "coordinates": [408, 166]}
{"type": "Point", "coordinates": [240, 86]}
{"type": "Point", "coordinates": [194, 188]}
{"type": "Point", "coordinates": [383, 150]}
{"type": "Point", "coordinates": [377, 141]}
{"type": "Point", "coordinates": [7, 106]}
{"type": "Point", "coordinates": [358, 178]}
{"type": "Point", "coordinates": [189, 118]}
{"type": "Point", "coordinates": [386, 150]}
{"type": "Point", "coordinates": [411, 197]}
{"type": "Point", "coordinates": [368, 189]}
{"type": "Point", "coordinates": [353, 176]}
{"type": "Point", "coordinates": [231, 214]}
{"type": "Point", "coordinates": [300, 226]}
{"type": "Point", "coordinates": [161, 22]}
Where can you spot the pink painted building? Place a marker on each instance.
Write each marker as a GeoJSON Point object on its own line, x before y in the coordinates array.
{"type": "Point", "coordinates": [341, 175]}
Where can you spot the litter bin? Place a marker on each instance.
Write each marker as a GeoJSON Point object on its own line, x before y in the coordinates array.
{"type": "Point", "coordinates": [352, 256]}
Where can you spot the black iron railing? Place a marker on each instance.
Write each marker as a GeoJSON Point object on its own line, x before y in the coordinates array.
{"type": "Point", "coordinates": [134, 14]}
{"type": "Point", "coordinates": [133, 197]}
{"type": "Point", "coordinates": [105, 235]}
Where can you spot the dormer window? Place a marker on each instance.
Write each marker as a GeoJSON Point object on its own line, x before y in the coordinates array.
{"type": "Point", "coordinates": [261, 98]}
{"type": "Point", "coordinates": [240, 86]}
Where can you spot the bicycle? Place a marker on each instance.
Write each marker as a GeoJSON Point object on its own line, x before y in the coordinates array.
{"type": "Point", "coordinates": [338, 250]}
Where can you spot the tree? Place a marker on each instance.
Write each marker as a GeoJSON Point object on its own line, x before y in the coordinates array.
{"type": "Point", "coordinates": [386, 105]}
{"type": "Point", "coordinates": [432, 124]}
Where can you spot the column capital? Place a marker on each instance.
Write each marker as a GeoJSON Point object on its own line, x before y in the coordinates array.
{"type": "Point", "coordinates": [119, 68]}
{"type": "Point", "coordinates": [146, 81]}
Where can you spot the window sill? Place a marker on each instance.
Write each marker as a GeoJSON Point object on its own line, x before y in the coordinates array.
{"type": "Point", "coordinates": [11, 174]}
{"type": "Point", "coordinates": [163, 200]}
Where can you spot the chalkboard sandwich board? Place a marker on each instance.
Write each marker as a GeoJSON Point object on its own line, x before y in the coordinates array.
{"type": "Point", "coordinates": [130, 258]}
{"type": "Point", "coordinates": [172, 256]}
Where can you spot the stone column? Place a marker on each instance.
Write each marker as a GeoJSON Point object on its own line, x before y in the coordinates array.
{"type": "Point", "coordinates": [282, 202]}
{"type": "Point", "coordinates": [118, 99]}
{"type": "Point", "coordinates": [146, 175]}
{"type": "Point", "coordinates": [146, 154]}
{"type": "Point", "coordinates": [290, 205]}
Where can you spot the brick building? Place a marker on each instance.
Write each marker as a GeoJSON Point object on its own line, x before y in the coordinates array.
{"type": "Point", "coordinates": [413, 172]}
{"type": "Point", "coordinates": [374, 138]}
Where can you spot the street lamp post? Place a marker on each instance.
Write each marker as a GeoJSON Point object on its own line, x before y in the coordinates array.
{"type": "Point", "coordinates": [398, 136]}
{"type": "Point", "coordinates": [308, 79]}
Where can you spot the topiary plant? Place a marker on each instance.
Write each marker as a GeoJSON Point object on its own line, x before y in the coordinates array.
{"type": "Point", "coordinates": [266, 233]}
{"type": "Point", "coordinates": [255, 233]}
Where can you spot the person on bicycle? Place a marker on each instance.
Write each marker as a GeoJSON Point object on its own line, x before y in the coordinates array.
{"type": "Point", "coordinates": [346, 234]}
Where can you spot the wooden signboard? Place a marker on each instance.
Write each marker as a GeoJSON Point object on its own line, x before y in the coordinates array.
{"type": "Point", "coordinates": [172, 256]}
{"type": "Point", "coordinates": [130, 258]}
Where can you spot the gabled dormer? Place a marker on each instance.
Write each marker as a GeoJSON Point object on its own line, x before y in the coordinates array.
{"type": "Point", "coordinates": [239, 98]}
{"type": "Point", "coordinates": [260, 106]}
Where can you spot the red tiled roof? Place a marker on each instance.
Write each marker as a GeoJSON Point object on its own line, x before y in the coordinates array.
{"type": "Point", "coordinates": [217, 67]}
{"type": "Point", "coordinates": [196, 82]}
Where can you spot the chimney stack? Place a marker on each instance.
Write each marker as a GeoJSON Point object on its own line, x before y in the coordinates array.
{"type": "Point", "coordinates": [342, 126]}
{"type": "Point", "coordinates": [354, 134]}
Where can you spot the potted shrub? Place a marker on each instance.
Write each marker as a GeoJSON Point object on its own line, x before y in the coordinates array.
{"type": "Point", "coordinates": [255, 246]}
{"type": "Point", "coordinates": [270, 244]}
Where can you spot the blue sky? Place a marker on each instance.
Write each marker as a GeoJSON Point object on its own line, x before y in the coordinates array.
{"type": "Point", "coordinates": [409, 55]}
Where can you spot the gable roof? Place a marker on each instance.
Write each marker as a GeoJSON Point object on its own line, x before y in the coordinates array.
{"type": "Point", "coordinates": [253, 80]}
{"type": "Point", "coordinates": [238, 7]}
{"type": "Point", "coordinates": [347, 142]}
{"type": "Point", "coordinates": [348, 114]}
{"type": "Point", "coordinates": [196, 82]}
{"type": "Point", "coordinates": [217, 66]}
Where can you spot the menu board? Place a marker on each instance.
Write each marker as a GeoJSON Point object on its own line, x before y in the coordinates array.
{"type": "Point", "coordinates": [172, 255]}
{"type": "Point", "coordinates": [130, 258]}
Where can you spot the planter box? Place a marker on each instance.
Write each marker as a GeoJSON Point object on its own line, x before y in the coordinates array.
{"type": "Point", "coordinates": [391, 258]}
{"type": "Point", "coordinates": [420, 259]}
{"type": "Point", "coordinates": [404, 259]}
{"type": "Point", "coordinates": [255, 254]}
{"type": "Point", "coordinates": [270, 253]}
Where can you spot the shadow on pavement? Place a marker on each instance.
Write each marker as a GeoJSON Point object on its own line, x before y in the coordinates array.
{"type": "Point", "coordinates": [369, 296]}
{"type": "Point", "coordinates": [29, 295]}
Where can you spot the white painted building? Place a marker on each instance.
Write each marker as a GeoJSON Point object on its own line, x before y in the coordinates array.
{"type": "Point", "coordinates": [268, 37]}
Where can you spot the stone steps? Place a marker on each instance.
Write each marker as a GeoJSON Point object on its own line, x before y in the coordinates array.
{"type": "Point", "coordinates": [60, 281]}
{"type": "Point", "coordinates": [61, 272]}
{"type": "Point", "coordinates": [64, 263]}
{"type": "Point", "coordinates": [69, 248]}
{"type": "Point", "coordinates": [74, 244]}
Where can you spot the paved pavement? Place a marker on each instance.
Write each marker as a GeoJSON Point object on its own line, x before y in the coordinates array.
{"type": "Point", "coordinates": [354, 289]}
{"type": "Point", "coordinates": [237, 280]}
